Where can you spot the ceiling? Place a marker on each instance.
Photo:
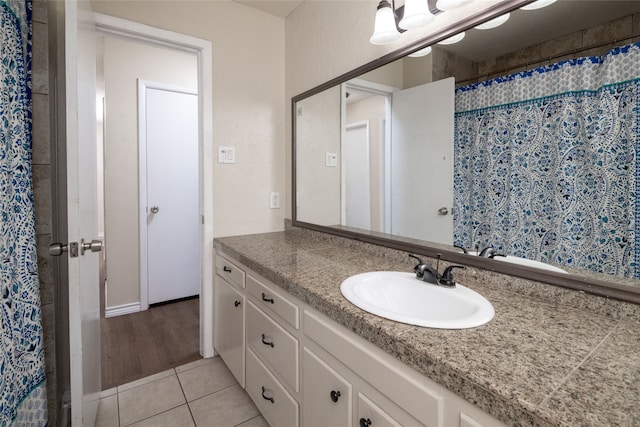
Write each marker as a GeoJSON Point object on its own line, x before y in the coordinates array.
{"type": "Point", "coordinates": [281, 8]}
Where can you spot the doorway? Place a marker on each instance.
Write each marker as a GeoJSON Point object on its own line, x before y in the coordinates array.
{"type": "Point", "coordinates": [199, 51]}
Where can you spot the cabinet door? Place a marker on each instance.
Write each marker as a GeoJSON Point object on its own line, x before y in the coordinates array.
{"type": "Point", "coordinates": [327, 396]}
{"type": "Point", "coordinates": [371, 415]}
{"type": "Point", "coordinates": [229, 328]}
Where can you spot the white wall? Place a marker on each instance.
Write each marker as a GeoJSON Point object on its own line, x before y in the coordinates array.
{"type": "Point", "coordinates": [124, 63]}
{"type": "Point", "coordinates": [325, 39]}
{"type": "Point", "coordinates": [248, 101]}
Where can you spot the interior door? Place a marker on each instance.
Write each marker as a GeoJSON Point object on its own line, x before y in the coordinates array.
{"type": "Point", "coordinates": [422, 144]}
{"type": "Point", "coordinates": [356, 180]}
{"type": "Point", "coordinates": [84, 302]}
{"type": "Point", "coordinates": [172, 193]}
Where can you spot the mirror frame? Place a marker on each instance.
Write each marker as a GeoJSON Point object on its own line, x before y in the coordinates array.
{"type": "Point", "coordinates": [594, 286]}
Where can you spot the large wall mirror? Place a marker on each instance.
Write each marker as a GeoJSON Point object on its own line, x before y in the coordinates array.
{"type": "Point", "coordinates": [523, 138]}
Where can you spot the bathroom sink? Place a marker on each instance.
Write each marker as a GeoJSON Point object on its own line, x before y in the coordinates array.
{"type": "Point", "coordinates": [530, 263]}
{"type": "Point", "coordinates": [401, 297]}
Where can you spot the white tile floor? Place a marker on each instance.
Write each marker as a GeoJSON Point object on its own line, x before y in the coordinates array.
{"type": "Point", "coordinates": [200, 394]}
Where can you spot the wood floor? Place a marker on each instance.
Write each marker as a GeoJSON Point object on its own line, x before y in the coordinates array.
{"type": "Point", "coordinates": [151, 341]}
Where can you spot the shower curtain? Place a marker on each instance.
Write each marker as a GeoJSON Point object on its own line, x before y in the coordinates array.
{"type": "Point", "coordinates": [22, 371]}
{"type": "Point", "coordinates": [546, 163]}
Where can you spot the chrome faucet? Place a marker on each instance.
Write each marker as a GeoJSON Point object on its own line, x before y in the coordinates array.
{"type": "Point", "coordinates": [428, 274]}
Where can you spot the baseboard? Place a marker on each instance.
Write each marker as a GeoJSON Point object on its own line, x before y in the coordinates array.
{"type": "Point", "coordinates": [123, 309]}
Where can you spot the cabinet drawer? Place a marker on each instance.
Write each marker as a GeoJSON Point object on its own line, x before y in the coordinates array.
{"type": "Point", "coordinates": [229, 327]}
{"type": "Point", "coordinates": [327, 395]}
{"type": "Point", "coordinates": [274, 402]}
{"type": "Point", "coordinates": [421, 398]}
{"type": "Point", "coordinates": [370, 414]}
{"type": "Point", "coordinates": [274, 344]}
{"type": "Point", "coordinates": [231, 272]}
{"type": "Point", "coordinates": [273, 301]}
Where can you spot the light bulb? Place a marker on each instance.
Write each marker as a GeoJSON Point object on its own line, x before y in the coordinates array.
{"type": "Point", "coordinates": [422, 52]}
{"type": "Point", "coordinates": [385, 30]}
{"type": "Point", "coordinates": [493, 23]}
{"type": "Point", "coordinates": [450, 4]}
{"type": "Point", "coordinates": [416, 14]}
{"type": "Point", "coordinates": [452, 39]}
{"type": "Point", "coordinates": [539, 4]}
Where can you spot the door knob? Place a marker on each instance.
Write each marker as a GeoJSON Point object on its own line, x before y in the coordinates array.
{"type": "Point", "coordinates": [93, 246]}
{"type": "Point", "coordinates": [154, 209]}
{"type": "Point", "coordinates": [443, 211]}
{"type": "Point", "coordinates": [57, 249]}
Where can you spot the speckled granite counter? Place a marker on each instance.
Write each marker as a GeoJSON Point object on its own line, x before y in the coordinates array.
{"type": "Point", "coordinates": [537, 363]}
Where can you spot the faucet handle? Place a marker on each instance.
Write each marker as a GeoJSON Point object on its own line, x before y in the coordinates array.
{"type": "Point", "coordinates": [415, 257]}
{"type": "Point", "coordinates": [447, 276]}
{"type": "Point", "coordinates": [464, 250]}
{"type": "Point", "coordinates": [419, 266]}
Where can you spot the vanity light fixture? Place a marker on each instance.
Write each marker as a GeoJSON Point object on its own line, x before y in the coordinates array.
{"type": "Point", "coordinates": [422, 52]}
{"type": "Point", "coordinates": [452, 39]}
{"type": "Point", "coordinates": [539, 4]}
{"type": "Point", "coordinates": [391, 22]}
{"type": "Point", "coordinates": [450, 4]}
{"type": "Point", "coordinates": [493, 23]}
{"type": "Point", "coordinates": [386, 28]}
{"type": "Point", "coordinates": [416, 14]}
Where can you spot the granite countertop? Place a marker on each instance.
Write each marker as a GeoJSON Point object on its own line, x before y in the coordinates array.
{"type": "Point", "coordinates": [537, 363]}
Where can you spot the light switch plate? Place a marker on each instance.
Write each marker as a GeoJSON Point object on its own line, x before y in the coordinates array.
{"type": "Point", "coordinates": [332, 160]}
{"type": "Point", "coordinates": [226, 154]}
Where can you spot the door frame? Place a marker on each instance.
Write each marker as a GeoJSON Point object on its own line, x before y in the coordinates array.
{"type": "Point", "coordinates": [203, 50]}
{"type": "Point", "coordinates": [143, 85]}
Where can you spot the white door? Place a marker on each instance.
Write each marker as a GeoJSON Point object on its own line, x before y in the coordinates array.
{"type": "Point", "coordinates": [171, 208]}
{"type": "Point", "coordinates": [82, 217]}
{"type": "Point", "coordinates": [356, 182]}
{"type": "Point", "coordinates": [422, 162]}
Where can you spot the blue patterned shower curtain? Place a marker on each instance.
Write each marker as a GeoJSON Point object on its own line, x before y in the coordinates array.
{"type": "Point", "coordinates": [546, 163]}
{"type": "Point", "coordinates": [22, 371]}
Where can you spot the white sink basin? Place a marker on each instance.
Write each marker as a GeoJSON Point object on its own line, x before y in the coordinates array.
{"type": "Point", "coordinates": [530, 263]}
{"type": "Point", "coordinates": [401, 297]}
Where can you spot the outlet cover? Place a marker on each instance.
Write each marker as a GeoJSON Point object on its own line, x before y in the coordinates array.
{"type": "Point", "coordinates": [274, 200]}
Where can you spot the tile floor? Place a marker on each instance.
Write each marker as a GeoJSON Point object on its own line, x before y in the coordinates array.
{"type": "Point", "coordinates": [203, 393]}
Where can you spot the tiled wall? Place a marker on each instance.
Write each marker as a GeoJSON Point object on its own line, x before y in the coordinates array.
{"type": "Point", "coordinates": [42, 190]}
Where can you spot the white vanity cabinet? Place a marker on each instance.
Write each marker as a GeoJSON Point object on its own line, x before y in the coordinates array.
{"type": "Point", "coordinates": [327, 395]}
{"type": "Point", "coordinates": [229, 316]}
{"type": "Point", "coordinates": [304, 369]}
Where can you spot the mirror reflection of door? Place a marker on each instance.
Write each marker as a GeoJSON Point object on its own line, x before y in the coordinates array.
{"type": "Point", "coordinates": [422, 162]}
{"type": "Point", "coordinates": [356, 205]}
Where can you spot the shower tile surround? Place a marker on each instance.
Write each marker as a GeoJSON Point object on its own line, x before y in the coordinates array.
{"type": "Point", "coordinates": [550, 357]}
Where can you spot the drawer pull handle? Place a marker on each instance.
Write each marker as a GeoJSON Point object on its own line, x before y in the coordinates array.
{"type": "Point", "coordinates": [365, 423]}
{"type": "Point", "coordinates": [236, 303]}
{"type": "Point", "coordinates": [335, 395]}
{"type": "Point", "coordinates": [264, 298]}
{"type": "Point", "coordinates": [270, 399]}
{"type": "Point", "coordinates": [227, 269]}
{"type": "Point", "coordinates": [265, 342]}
